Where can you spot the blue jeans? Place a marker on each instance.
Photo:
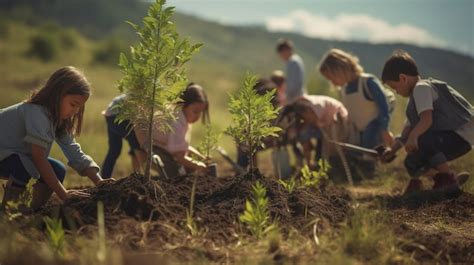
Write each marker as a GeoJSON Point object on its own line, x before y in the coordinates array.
{"type": "Point", "coordinates": [13, 167]}
{"type": "Point", "coordinates": [117, 132]}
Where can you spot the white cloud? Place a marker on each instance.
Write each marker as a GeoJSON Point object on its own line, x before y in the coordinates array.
{"type": "Point", "coordinates": [352, 27]}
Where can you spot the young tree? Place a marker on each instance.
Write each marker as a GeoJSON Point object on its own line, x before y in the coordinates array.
{"type": "Point", "coordinates": [252, 116]}
{"type": "Point", "coordinates": [153, 76]}
{"type": "Point", "coordinates": [209, 142]}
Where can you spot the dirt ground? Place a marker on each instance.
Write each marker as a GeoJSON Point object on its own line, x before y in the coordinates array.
{"type": "Point", "coordinates": [143, 216]}
{"type": "Point", "coordinates": [435, 227]}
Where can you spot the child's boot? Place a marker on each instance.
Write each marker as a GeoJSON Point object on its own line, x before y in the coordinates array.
{"type": "Point", "coordinates": [445, 182]}
{"type": "Point", "coordinates": [11, 194]}
{"type": "Point", "coordinates": [414, 185]}
{"type": "Point", "coordinates": [41, 195]}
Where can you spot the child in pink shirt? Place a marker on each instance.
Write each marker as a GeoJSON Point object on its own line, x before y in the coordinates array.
{"type": "Point", "coordinates": [325, 113]}
{"type": "Point", "coordinates": [173, 145]}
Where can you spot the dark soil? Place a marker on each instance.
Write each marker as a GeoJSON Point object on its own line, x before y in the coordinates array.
{"type": "Point", "coordinates": [149, 214]}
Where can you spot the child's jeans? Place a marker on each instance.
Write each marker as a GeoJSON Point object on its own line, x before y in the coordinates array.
{"type": "Point", "coordinates": [434, 149]}
{"type": "Point", "coordinates": [13, 167]}
{"type": "Point", "coordinates": [116, 132]}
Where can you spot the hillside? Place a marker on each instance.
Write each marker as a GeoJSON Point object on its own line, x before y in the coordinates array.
{"type": "Point", "coordinates": [232, 49]}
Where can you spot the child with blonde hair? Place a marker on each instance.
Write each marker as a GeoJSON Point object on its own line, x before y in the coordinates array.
{"type": "Point", "coordinates": [369, 104]}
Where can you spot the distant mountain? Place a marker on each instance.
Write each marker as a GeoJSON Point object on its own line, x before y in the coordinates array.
{"type": "Point", "coordinates": [254, 48]}
{"type": "Point", "coordinates": [234, 49]}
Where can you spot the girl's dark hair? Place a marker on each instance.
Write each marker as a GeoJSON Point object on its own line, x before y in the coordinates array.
{"type": "Point", "coordinates": [399, 63]}
{"type": "Point", "coordinates": [65, 81]}
{"type": "Point", "coordinates": [194, 93]}
{"type": "Point", "coordinates": [264, 86]}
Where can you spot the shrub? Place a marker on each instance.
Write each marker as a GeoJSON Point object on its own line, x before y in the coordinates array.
{"type": "Point", "coordinates": [44, 46]}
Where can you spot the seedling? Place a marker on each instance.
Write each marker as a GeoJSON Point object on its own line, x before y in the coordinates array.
{"type": "Point", "coordinates": [190, 223]}
{"type": "Point", "coordinates": [209, 142]}
{"type": "Point", "coordinates": [312, 178]}
{"type": "Point", "coordinates": [256, 215]}
{"type": "Point", "coordinates": [55, 234]}
{"type": "Point", "coordinates": [289, 185]}
{"type": "Point", "coordinates": [252, 116]}
{"type": "Point", "coordinates": [153, 76]}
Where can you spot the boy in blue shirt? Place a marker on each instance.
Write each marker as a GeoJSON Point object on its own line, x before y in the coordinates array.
{"type": "Point", "coordinates": [439, 126]}
{"type": "Point", "coordinates": [294, 71]}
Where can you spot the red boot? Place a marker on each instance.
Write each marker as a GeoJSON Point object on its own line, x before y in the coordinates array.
{"type": "Point", "coordinates": [414, 185]}
{"type": "Point", "coordinates": [445, 182]}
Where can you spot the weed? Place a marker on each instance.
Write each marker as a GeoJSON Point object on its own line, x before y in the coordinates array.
{"type": "Point", "coordinates": [55, 234]}
{"type": "Point", "coordinates": [256, 215]}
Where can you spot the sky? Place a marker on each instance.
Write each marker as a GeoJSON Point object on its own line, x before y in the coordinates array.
{"type": "Point", "coordinates": [447, 24]}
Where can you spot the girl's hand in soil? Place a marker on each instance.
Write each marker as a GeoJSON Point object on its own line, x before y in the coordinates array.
{"type": "Point", "coordinates": [94, 176]}
{"type": "Point", "coordinates": [75, 194]}
{"type": "Point", "coordinates": [103, 182]}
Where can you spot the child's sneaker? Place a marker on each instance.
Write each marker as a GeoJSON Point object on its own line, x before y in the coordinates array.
{"type": "Point", "coordinates": [445, 182]}
{"type": "Point", "coordinates": [414, 185]}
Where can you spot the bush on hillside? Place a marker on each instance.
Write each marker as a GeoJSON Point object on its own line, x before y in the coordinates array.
{"type": "Point", "coordinates": [109, 51]}
{"type": "Point", "coordinates": [44, 46]}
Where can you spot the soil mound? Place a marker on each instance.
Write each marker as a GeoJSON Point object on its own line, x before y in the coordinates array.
{"type": "Point", "coordinates": [131, 201]}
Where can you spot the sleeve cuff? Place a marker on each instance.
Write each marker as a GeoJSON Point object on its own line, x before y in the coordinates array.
{"type": "Point", "coordinates": [79, 167]}
{"type": "Point", "coordinates": [35, 140]}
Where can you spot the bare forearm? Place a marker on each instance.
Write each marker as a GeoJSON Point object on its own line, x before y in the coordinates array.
{"type": "Point", "coordinates": [195, 152]}
{"type": "Point", "coordinates": [46, 171]}
{"type": "Point", "coordinates": [93, 174]}
{"type": "Point", "coordinates": [187, 161]}
{"type": "Point", "coordinates": [423, 124]}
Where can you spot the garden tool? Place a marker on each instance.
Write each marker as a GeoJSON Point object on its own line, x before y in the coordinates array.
{"type": "Point", "coordinates": [376, 152]}
{"type": "Point", "coordinates": [160, 165]}
{"type": "Point", "coordinates": [227, 158]}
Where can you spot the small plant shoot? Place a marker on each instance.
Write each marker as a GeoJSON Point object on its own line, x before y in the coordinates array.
{"type": "Point", "coordinates": [256, 215]}
{"type": "Point", "coordinates": [55, 234]}
{"type": "Point", "coordinates": [209, 142]}
{"type": "Point", "coordinates": [252, 116]}
{"type": "Point", "coordinates": [312, 178]}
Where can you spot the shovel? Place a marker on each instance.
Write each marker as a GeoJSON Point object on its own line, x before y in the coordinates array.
{"type": "Point", "coordinates": [376, 152]}
{"type": "Point", "coordinates": [227, 158]}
